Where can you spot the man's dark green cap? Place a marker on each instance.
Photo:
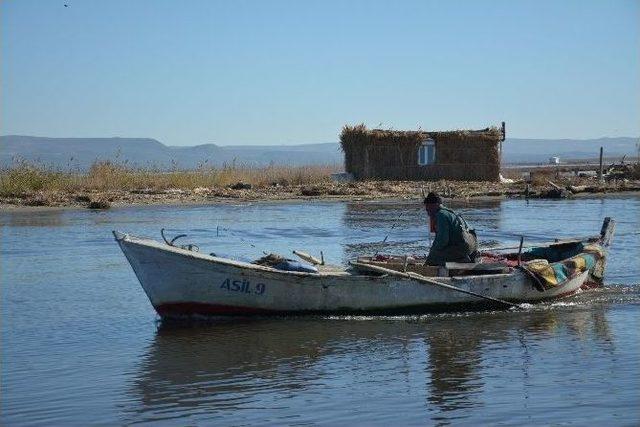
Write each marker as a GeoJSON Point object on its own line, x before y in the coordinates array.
{"type": "Point", "coordinates": [432, 198]}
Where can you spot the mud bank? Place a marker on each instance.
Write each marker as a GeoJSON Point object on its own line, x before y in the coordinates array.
{"type": "Point", "coordinates": [367, 190]}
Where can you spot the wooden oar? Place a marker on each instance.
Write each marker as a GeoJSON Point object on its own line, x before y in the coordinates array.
{"type": "Point", "coordinates": [309, 258]}
{"type": "Point", "coordinates": [423, 279]}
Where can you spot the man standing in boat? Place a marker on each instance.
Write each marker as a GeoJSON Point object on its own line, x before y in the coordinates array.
{"type": "Point", "coordinates": [455, 241]}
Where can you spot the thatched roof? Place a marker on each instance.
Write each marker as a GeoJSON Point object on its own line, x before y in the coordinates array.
{"type": "Point", "coordinates": [360, 133]}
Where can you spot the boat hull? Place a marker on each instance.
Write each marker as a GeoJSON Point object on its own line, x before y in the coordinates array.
{"type": "Point", "coordinates": [179, 282]}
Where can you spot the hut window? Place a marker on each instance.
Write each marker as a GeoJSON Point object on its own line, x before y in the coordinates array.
{"type": "Point", "coordinates": [427, 153]}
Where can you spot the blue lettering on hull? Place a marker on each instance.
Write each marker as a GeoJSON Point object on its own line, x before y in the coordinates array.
{"type": "Point", "coordinates": [243, 286]}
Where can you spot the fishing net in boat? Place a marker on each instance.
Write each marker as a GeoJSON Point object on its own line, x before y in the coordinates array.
{"type": "Point", "coordinates": [285, 264]}
{"type": "Point", "coordinates": [552, 274]}
{"type": "Point", "coordinates": [269, 260]}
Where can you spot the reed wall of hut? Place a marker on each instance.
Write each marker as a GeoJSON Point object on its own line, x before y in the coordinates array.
{"type": "Point", "coordinates": [466, 155]}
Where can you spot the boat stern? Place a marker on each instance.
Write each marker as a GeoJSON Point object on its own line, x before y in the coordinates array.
{"type": "Point", "coordinates": [596, 273]}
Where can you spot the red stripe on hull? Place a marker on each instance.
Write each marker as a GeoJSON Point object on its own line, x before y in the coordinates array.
{"type": "Point", "coordinates": [203, 309]}
{"type": "Point", "coordinates": [197, 308]}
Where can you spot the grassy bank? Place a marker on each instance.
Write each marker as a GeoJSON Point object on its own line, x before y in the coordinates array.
{"type": "Point", "coordinates": [106, 183]}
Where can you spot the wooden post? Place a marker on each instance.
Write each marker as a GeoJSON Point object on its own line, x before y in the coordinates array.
{"type": "Point", "coordinates": [606, 233]}
{"type": "Point", "coordinates": [504, 136]}
{"type": "Point", "coordinates": [601, 170]}
{"type": "Point", "coordinates": [520, 250]}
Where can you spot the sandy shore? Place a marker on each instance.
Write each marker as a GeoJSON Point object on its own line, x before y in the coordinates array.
{"type": "Point", "coordinates": [368, 190]}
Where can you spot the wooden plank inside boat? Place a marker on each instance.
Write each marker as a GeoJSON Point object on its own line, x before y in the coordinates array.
{"type": "Point", "coordinates": [410, 266]}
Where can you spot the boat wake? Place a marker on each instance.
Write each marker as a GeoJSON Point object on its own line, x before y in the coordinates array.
{"type": "Point", "coordinates": [610, 295]}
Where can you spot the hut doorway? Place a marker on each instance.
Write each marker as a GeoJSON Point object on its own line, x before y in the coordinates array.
{"type": "Point", "coordinates": [427, 152]}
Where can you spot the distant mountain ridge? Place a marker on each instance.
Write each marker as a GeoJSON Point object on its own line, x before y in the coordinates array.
{"type": "Point", "coordinates": [80, 153]}
{"type": "Point", "coordinates": [526, 150]}
{"type": "Point", "coordinates": [145, 152]}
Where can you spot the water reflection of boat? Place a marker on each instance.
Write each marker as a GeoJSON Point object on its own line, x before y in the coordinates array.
{"type": "Point", "coordinates": [227, 365]}
{"type": "Point", "coordinates": [458, 360]}
{"type": "Point", "coordinates": [179, 281]}
{"type": "Point", "coordinates": [231, 366]}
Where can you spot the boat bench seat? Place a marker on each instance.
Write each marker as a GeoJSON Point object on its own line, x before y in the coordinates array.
{"type": "Point", "coordinates": [474, 269]}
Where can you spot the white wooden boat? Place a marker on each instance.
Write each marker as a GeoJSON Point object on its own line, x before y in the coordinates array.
{"type": "Point", "coordinates": [181, 282]}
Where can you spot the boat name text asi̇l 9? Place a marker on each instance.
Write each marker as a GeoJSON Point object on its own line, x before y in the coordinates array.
{"type": "Point", "coordinates": [243, 286]}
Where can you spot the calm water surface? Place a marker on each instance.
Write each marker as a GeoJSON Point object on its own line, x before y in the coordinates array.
{"type": "Point", "coordinates": [82, 345]}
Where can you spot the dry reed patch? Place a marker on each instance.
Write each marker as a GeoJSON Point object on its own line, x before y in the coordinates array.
{"type": "Point", "coordinates": [542, 177]}
{"type": "Point", "coordinates": [24, 179]}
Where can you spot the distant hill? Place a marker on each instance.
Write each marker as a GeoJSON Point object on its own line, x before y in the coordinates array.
{"type": "Point", "coordinates": [518, 150]}
{"type": "Point", "coordinates": [145, 152]}
{"type": "Point", "coordinates": [82, 152]}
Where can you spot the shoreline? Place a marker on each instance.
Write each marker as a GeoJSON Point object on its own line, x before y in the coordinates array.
{"type": "Point", "coordinates": [322, 192]}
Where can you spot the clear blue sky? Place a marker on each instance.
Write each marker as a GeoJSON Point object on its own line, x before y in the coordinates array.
{"type": "Point", "coordinates": [271, 72]}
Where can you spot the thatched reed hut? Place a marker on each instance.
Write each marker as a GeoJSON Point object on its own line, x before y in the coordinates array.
{"type": "Point", "coordinates": [467, 155]}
